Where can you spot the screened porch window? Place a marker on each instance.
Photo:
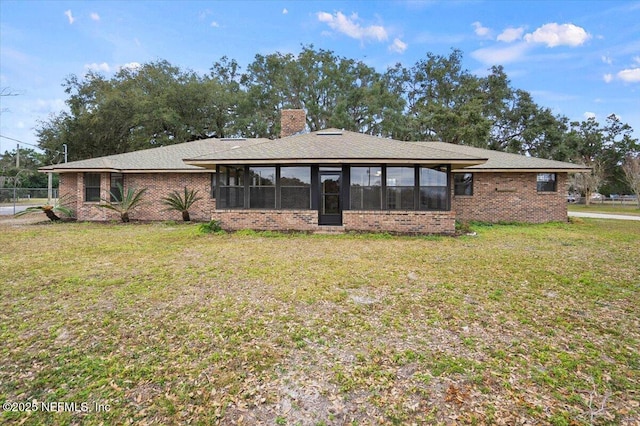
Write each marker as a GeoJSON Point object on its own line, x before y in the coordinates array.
{"type": "Point", "coordinates": [433, 188]}
{"type": "Point", "coordinates": [295, 187]}
{"type": "Point", "coordinates": [400, 188]}
{"type": "Point", "coordinates": [231, 181]}
{"type": "Point", "coordinates": [366, 188]}
{"type": "Point", "coordinates": [262, 188]}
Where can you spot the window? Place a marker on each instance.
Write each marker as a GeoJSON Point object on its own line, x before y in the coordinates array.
{"type": "Point", "coordinates": [231, 187]}
{"type": "Point", "coordinates": [546, 182]}
{"type": "Point", "coordinates": [116, 179]}
{"type": "Point", "coordinates": [400, 188]}
{"type": "Point", "coordinates": [366, 188]}
{"type": "Point", "coordinates": [433, 188]}
{"type": "Point", "coordinates": [92, 187]}
{"type": "Point", "coordinates": [262, 187]}
{"type": "Point", "coordinates": [463, 183]}
{"type": "Point", "coordinates": [295, 187]}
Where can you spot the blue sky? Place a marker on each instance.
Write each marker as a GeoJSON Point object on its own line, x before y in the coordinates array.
{"type": "Point", "coordinates": [579, 58]}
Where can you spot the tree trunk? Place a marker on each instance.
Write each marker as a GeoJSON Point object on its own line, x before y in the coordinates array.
{"type": "Point", "coordinates": [125, 217]}
{"type": "Point", "coordinates": [51, 215]}
{"type": "Point", "coordinates": [185, 216]}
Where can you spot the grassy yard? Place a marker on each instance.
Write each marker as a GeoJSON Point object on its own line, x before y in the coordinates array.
{"type": "Point", "coordinates": [626, 209]}
{"type": "Point", "coordinates": [159, 324]}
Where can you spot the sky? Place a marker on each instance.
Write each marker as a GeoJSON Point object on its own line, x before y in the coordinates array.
{"type": "Point", "coordinates": [578, 58]}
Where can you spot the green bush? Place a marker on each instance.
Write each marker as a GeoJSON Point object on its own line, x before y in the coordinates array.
{"type": "Point", "coordinates": [213, 226]}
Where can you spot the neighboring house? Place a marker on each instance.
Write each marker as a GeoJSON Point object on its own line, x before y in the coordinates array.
{"type": "Point", "coordinates": [332, 179]}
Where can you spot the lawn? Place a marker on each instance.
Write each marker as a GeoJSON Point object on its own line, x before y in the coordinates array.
{"type": "Point", "coordinates": [596, 207]}
{"type": "Point", "coordinates": [161, 324]}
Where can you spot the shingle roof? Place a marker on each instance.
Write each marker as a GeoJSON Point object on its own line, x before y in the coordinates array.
{"type": "Point", "coordinates": [498, 160]}
{"type": "Point", "coordinates": [327, 146]}
{"type": "Point", "coordinates": [166, 158]}
{"type": "Point", "coordinates": [335, 146]}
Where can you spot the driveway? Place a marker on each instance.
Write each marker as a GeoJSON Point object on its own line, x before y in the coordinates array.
{"type": "Point", "coordinates": [604, 216]}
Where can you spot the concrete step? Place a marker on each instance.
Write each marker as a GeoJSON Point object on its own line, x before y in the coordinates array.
{"type": "Point", "coordinates": [325, 229]}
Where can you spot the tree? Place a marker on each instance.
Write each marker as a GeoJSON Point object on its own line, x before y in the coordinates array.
{"type": "Point", "coordinates": [181, 202]}
{"type": "Point", "coordinates": [631, 168]}
{"type": "Point", "coordinates": [50, 210]}
{"type": "Point", "coordinates": [127, 201]}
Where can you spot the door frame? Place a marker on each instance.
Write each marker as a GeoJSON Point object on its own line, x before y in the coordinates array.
{"type": "Point", "coordinates": [332, 219]}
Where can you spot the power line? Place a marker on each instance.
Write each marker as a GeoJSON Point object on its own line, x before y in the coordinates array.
{"type": "Point", "coordinates": [17, 140]}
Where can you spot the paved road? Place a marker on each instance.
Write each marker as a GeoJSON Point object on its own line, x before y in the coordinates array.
{"type": "Point", "coordinates": [8, 210]}
{"type": "Point", "coordinates": [604, 216]}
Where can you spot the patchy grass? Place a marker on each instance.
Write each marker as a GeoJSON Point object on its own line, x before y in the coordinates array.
{"type": "Point", "coordinates": [166, 325]}
{"type": "Point", "coordinates": [626, 209]}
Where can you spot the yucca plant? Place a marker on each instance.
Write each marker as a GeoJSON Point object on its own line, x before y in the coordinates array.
{"type": "Point", "coordinates": [127, 201]}
{"type": "Point", "coordinates": [50, 210]}
{"type": "Point", "coordinates": [181, 202]}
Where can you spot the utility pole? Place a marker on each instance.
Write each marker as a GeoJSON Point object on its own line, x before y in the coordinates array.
{"type": "Point", "coordinates": [18, 157]}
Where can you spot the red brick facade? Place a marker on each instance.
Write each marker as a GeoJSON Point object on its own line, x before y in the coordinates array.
{"type": "Point", "coordinates": [158, 185]}
{"type": "Point", "coordinates": [511, 197]}
{"type": "Point", "coordinates": [497, 197]}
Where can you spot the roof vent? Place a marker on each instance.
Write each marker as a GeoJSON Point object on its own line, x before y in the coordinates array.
{"type": "Point", "coordinates": [232, 139]}
{"type": "Point", "coordinates": [334, 133]}
{"type": "Point", "coordinates": [235, 147]}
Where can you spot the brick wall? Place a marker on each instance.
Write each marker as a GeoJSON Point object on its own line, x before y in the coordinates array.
{"type": "Point", "coordinates": [267, 220]}
{"type": "Point", "coordinates": [158, 185]}
{"type": "Point", "coordinates": [292, 121]}
{"type": "Point", "coordinates": [511, 197]}
{"type": "Point", "coordinates": [404, 222]}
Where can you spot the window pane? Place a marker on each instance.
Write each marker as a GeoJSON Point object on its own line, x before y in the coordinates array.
{"type": "Point", "coordinates": [295, 187]}
{"type": "Point", "coordinates": [295, 176]}
{"type": "Point", "coordinates": [262, 176]}
{"type": "Point", "coordinates": [231, 187]}
{"type": "Point", "coordinates": [463, 183]}
{"type": "Point", "coordinates": [116, 179]}
{"type": "Point", "coordinates": [92, 187]}
{"type": "Point", "coordinates": [262, 197]}
{"type": "Point", "coordinates": [231, 197]}
{"type": "Point", "coordinates": [432, 177]}
{"type": "Point", "coordinates": [366, 188]}
{"type": "Point", "coordinates": [400, 176]}
{"type": "Point", "coordinates": [433, 198]}
{"type": "Point", "coordinates": [292, 197]}
{"type": "Point", "coordinates": [400, 198]}
{"type": "Point", "coordinates": [546, 182]}
{"type": "Point", "coordinates": [262, 189]}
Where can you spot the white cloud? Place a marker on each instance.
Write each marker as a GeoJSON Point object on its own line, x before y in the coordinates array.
{"type": "Point", "coordinates": [103, 67]}
{"type": "Point", "coordinates": [480, 30]}
{"type": "Point", "coordinates": [631, 75]}
{"type": "Point", "coordinates": [607, 78]}
{"type": "Point", "coordinates": [588, 114]}
{"type": "Point", "coordinates": [69, 16]}
{"type": "Point", "coordinates": [511, 34]}
{"type": "Point", "coordinates": [95, 16]}
{"type": "Point", "coordinates": [398, 46]}
{"type": "Point", "coordinates": [214, 24]}
{"type": "Point", "coordinates": [557, 35]}
{"type": "Point", "coordinates": [606, 59]}
{"type": "Point", "coordinates": [285, 11]}
{"type": "Point", "coordinates": [350, 27]}
{"type": "Point", "coordinates": [636, 59]}
{"type": "Point", "coordinates": [131, 66]}
{"type": "Point", "coordinates": [500, 55]}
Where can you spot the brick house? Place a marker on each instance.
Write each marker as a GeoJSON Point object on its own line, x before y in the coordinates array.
{"type": "Point", "coordinates": [331, 180]}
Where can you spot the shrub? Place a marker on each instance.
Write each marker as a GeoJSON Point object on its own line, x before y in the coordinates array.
{"type": "Point", "coordinates": [213, 226]}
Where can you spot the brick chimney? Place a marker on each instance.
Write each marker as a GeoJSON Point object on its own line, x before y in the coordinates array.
{"type": "Point", "coordinates": [292, 121]}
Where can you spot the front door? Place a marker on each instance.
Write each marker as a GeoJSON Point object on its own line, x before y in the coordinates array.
{"type": "Point", "coordinates": [330, 198]}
